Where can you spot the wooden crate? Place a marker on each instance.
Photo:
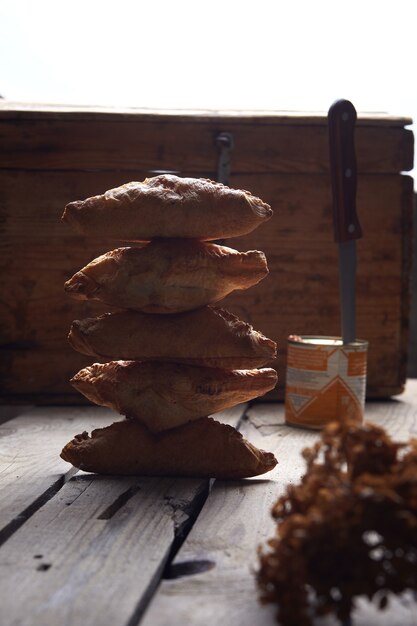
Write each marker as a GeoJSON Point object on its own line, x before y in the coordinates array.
{"type": "Point", "coordinates": [52, 155]}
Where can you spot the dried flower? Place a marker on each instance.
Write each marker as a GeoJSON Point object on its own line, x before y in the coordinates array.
{"type": "Point", "coordinates": [348, 529]}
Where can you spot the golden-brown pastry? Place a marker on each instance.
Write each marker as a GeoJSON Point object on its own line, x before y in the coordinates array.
{"type": "Point", "coordinates": [166, 395]}
{"type": "Point", "coordinates": [167, 276]}
{"type": "Point", "coordinates": [208, 336]}
{"type": "Point", "coordinates": [200, 449]}
{"type": "Point", "coordinates": [168, 206]}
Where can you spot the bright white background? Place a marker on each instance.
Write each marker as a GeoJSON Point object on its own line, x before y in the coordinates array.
{"type": "Point", "coordinates": [263, 54]}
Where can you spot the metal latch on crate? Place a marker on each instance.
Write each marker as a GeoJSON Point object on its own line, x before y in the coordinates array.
{"type": "Point", "coordinates": [224, 142]}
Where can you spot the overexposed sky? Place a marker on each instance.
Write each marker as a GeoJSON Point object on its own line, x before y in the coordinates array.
{"type": "Point", "coordinates": [263, 54]}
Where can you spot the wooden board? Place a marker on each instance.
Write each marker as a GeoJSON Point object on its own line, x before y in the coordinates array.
{"type": "Point", "coordinates": [49, 571]}
{"type": "Point", "coordinates": [95, 549]}
{"type": "Point", "coordinates": [38, 253]}
{"type": "Point", "coordinates": [211, 579]}
{"type": "Point", "coordinates": [32, 439]}
{"type": "Point", "coordinates": [26, 110]}
{"type": "Point", "coordinates": [31, 470]}
{"type": "Point", "coordinates": [88, 554]}
{"type": "Point", "coordinates": [412, 361]}
{"type": "Point", "coordinates": [174, 141]}
{"type": "Point", "coordinates": [50, 155]}
{"type": "Point", "coordinates": [301, 294]}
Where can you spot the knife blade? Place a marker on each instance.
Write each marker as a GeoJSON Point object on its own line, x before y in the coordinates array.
{"type": "Point", "coordinates": [347, 229]}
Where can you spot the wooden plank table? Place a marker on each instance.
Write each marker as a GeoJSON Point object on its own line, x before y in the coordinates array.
{"type": "Point", "coordinates": [76, 548]}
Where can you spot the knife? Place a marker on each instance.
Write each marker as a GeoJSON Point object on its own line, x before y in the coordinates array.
{"type": "Point", "coordinates": [347, 229]}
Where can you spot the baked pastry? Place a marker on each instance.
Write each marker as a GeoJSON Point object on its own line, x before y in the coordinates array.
{"type": "Point", "coordinates": [201, 449]}
{"type": "Point", "coordinates": [168, 206]}
{"type": "Point", "coordinates": [167, 276]}
{"type": "Point", "coordinates": [165, 395]}
{"type": "Point", "coordinates": [208, 336]}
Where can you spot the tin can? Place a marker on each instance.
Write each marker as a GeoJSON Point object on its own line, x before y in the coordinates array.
{"type": "Point", "coordinates": [326, 380]}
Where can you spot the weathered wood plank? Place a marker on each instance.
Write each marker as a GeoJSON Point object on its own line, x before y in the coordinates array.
{"type": "Point", "coordinates": [235, 520]}
{"type": "Point", "coordinates": [31, 443]}
{"type": "Point", "coordinates": [76, 563]}
{"type": "Point", "coordinates": [176, 143]}
{"type": "Point", "coordinates": [301, 293]}
{"type": "Point", "coordinates": [26, 110]}
{"type": "Point", "coordinates": [29, 455]}
{"type": "Point", "coordinates": [412, 361]}
{"type": "Point", "coordinates": [8, 412]}
{"type": "Point", "coordinates": [398, 416]}
{"type": "Point", "coordinates": [38, 253]}
{"type": "Point", "coordinates": [94, 552]}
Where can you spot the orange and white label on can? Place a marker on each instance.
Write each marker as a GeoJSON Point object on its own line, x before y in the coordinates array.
{"type": "Point", "coordinates": [326, 380]}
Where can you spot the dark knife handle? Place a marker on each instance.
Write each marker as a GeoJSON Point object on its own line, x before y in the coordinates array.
{"type": "Point", "coordinates": [341, 124]}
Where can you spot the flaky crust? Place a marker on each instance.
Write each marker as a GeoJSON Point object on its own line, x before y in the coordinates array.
{"type": "Point", "coordinates": [166, 395]}
{"type": "Point", "coordinates": [208, 336]}
{"type": "Point", "coordinates": [200, 449]}
{"type": "Point", "coordinates": [167, 276]}
{"type": "Point", "coordinates": [168, 206]}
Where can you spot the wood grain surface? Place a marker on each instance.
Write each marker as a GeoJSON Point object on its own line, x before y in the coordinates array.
{"type": "Point", "coordinates": [26, 110]}
{"type": "Point", "coordinates": [95, 550]}
{"type": "Point", "coordinates": [74, 556]}
{"type": "Point", "coordinates": [236, 519]}
{"type": "Point", "coordinates": [30, 465]}
{"type": "Point", "coordinates": [52, 155]}
{"type": "Point", "coordinates": [149, 142]}
{"type": "Point", "coordinates": [300, 295]}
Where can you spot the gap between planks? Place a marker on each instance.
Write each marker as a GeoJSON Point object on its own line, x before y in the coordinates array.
{"type": "Point", "coordinates": [236, 519]}
{"type": "Point", "coordinates": [31, 470]}
{"type": "Point", "coordinates": [234, 514]}
{"type": "Point", "coordinates": [93, 530]}
{"type": "Point", "coordinates": [30, 466]}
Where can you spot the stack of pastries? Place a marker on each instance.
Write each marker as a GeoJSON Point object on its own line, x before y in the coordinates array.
{"type": "Point", "coordinates": [172, 357]}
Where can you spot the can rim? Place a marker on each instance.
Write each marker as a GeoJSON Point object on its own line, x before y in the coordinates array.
{"type": "Point", "coordinates": [326, 341]}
